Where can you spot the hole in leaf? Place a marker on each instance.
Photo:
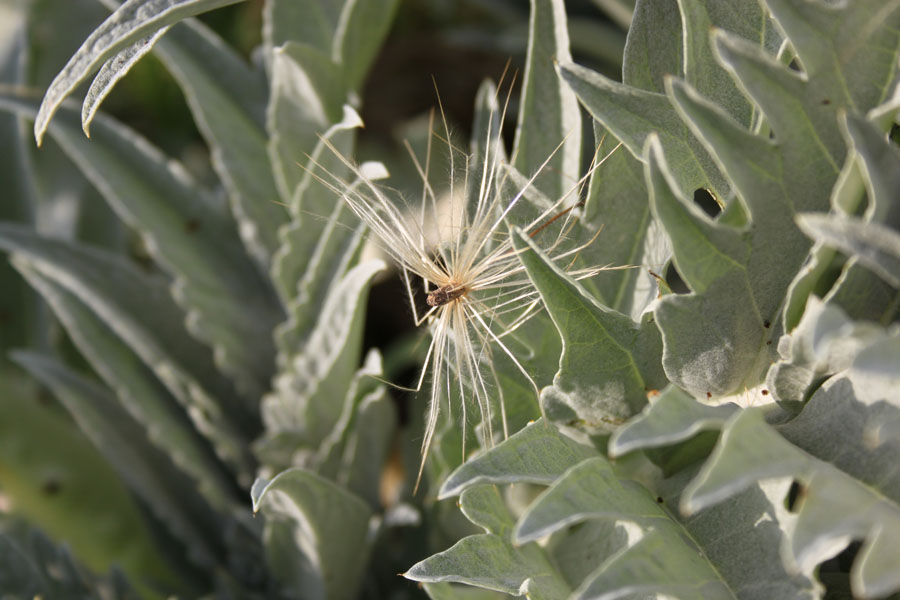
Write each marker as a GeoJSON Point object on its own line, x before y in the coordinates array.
{"type": "Point", "coordinates": [795, 497]}
{"type": "Point", "coordinates": [895, 134]}
{"type": "Point", "coordinates": [674, 280]}
{"type": "Point", "coordinates": [705, 200]}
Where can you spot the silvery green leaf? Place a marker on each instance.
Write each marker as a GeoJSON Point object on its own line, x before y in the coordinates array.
{"type": "Point", "coordinates": [631, 114]}
{"type": "Point", "coordinates": [485, 507]}
{"type": "Point", "coordinates": [307, 96]}
{"type": "Point", "coordinates": [536, 454]}
{"type": "Point", "coordinates": [849, 489]}
{"type": "Point", "coordinates": [617, 201]}
{"type": "Point", "coordinates": [654, 47]}
{"type": "Point", "coordinates": [608, 363]}
{"type": "Point", "coordinates": [876, 161]}
{"type": "Point", "coordinates": [316, 534]}
{"type": "Point", "coordinates": [312, 23]}
{"type": "Point", "coordinates": [866, 183]}
{"type": "Point", "coordinates": [368, 447]}
{"type": "Point", "coordinates": [361, 27]}
{"type": "Point", "coordinates": [824, 342]}
{"type": "Point", "coordinates": [132, 21]}
{"type": "Point", "coordinates": [363, 385]}
{"type": "Point", "coordinates": [322, 240]}
{"type": "Point", "coordinates": [591, 490]}
{"type": "Point", "coordinates": [740, 537]}
{"type": "Point", "coordinates": [490, 560]}
{"type": "Point", "coordinates": [671, 417]}
{"type": "Point", "coordinates": [487, 560]}
{"type": "Point", "coordinates": [874, 58]}
{"type": "Point", "coordinates": [549, 119]}
{"type": "Point", "coordinates": [863, 74]}
{"type": "Point", "coordinates": [747, 20]}
{"type": "Point", "coordinates": [139, 309]}
{"type": "Point", "coordinates": [111, 72]}
{"type": "Point", "coordinates": [230, 306]}
{"type": "Point", "coordinates": [145, 467]}
{"type": "Point", "coordinates": [303, 402]}
{"type": "Point", "coordinates": [875, 245]}
{"type": "Point", "coordinates": [228, 100]}
{"type": "Point", "coordinates": [140, 393]}
{"type": "Point", "coordinates": [743, 258]}
{"type": "Point", "coordinates": [454, 591]}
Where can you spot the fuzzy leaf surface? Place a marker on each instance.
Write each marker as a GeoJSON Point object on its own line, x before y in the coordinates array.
{"type": "Point", "coordinates": [616, 360]}
{"type": "Point", "coordinates": [132, 21]}
{"type": "Point", "coordinates": [139, 309]}
{"type": "Point", "coordinates": [549, 113]}
{"type": "Point", "coordinates": [671, 417]}
{"type": "Point", "coordinates": [490, 560]}
{"type": "Point", "coordinates": [230, 306]}
{"type": "Point", "coordinates": [303, 405]}
{"type": "Point", "coordinates": [316, 534]}
{"type": "Point", "coordinates": [227, 98]}
{"type": "Point", "coordinates": [876, 246]}
{"type": "Point", "coordinates": [725, 266]}
{"type": "Point", "coordinates": [307, 93]}
{"type": "Point", "coordinates": [140, 393]}
{"type": "Point", "coordinates": [536, 454]}
{"type": "Point", "coordinates": [849, 487]}
{"type": "Point", "coordinates": [111, 72]}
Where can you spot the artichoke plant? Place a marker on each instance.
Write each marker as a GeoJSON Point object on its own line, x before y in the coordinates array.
{"type": "Point", "coordinates": [189, 404]}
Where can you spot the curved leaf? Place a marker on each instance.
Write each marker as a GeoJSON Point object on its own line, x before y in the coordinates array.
{"type": "Point", "coordinates": [139, 309]}
{"type": "Point", "coordinates": [536, 454]}
{"type": "Point", "coordinates": [306, 401]}
{"type": "Point", "coordinates": [131, 21]}
{"type": "Point", "coordinates": [608, 362]}
{"type": "Point", "coordinates": [111, 72]}
{"type": "Point", "coordinates": [549, 119]}
{"type": "Point", "coordinates": [849, 490]}
{"type": "Point", "coordinates": [316, 534]}
{"type": "Point", "coordinates": [227, 98]}
{"type": "Point", "coordinates": [490, 560]}
{"type": "Point", "coordinates": [671, 417]}
{"type": "Point", "coordinates": [166, 423]}
{"type": "Point", "coordinates": [231, 307]}
{"type": "Point", "coordinates": [876, 246]}
{"type": "Point", "coordinates": [362, 26]}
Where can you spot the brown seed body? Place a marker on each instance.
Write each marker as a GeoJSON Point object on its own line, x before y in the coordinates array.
{"type": "Point", "coordinates": [444, 295]}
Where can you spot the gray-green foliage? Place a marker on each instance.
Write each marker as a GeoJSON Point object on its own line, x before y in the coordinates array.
{"type": "Point", "coordinates": [661, 466]}
{"type": "Point", "coordinates": [723, 111]}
